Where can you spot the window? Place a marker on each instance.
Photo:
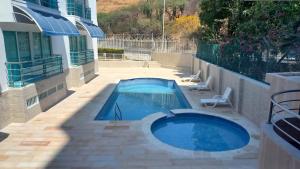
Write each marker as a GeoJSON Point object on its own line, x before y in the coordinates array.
{"type": "Point", "coordinates": [51, 91]}
{"type": "Point", "coordinates": [31, 101]}
{"type": "Point", "coordinates": [82, 43]}
{"type": "Point", "coordinates": [37, 45]}
{"type": "Point", "coordinates": [17, 46]}
{"type": "Point", "coordinates": [78, 44]}
{"type": "Point", "coordinates": [43, 95]}
{"type": "Point", "coordinates": [73, 43]}
{"type": "Point", "coordinates": [46, 46]}
{"type": "Point", "coordinates": [11, 46]}
{"type": "Point", "coordinates": [24, 46]}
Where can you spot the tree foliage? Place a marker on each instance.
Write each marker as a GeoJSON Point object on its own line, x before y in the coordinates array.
{"type": "Point", "coordinates": [266, 23]}
{"type": "Point", "coordinates": [144, 18]}
{"type": "Point", "coordinates": [184, 26]}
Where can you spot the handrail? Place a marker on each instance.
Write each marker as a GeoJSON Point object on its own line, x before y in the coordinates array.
{"type": "Point", "coordinates": [117, 109]}
{"type": "Point", "coordinates": [82, 57]}
{"type": "Point", "coordinates": [285, 110]}
{"type": "Point", "coordinates": [22, 73]}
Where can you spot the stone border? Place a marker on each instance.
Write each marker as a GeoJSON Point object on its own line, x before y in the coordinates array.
{"type": "Point", "coordinates": [251, 147]}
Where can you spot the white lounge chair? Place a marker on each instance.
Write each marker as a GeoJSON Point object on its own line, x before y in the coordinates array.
{"type": "Point", "coordinates": [223, 100]}
{"type": "Point", "coordinates": [193, 78]}
{"type": "Point", "coordinates": [202, 85]}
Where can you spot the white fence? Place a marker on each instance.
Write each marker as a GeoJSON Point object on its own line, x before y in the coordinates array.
{"type": "Point", "coordinates": [147, 46]}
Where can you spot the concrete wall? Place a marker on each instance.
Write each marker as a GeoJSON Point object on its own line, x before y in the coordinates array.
{"type": "Point", "coordinates": [275, 152]}
{"type": "Point", "coordinates": [250, 97]}
{"type": "Point", "coordinates": [13, 102]}
{"type": "Point", "coordinates": [182, 61]}
{"type": "Point", "coordinates": [79, 75]}
{"type": "Point", "coordinates": [196, 65]}
{"type": "Point", "coordinates": [4, 115]}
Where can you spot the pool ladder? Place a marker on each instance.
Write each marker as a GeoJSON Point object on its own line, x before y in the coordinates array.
{"type": "Point", "coordinates": [118, 113]}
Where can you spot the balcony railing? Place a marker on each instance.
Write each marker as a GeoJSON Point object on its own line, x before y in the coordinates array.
{"type": "Point", "coordinates": [22, 73]}
{"type": "Point", "coordinates": [82, 57]}
{"type": "Point", "coordinates": [76, 9]}
{"type": "Point", "coordinates": [46, 3]}
{"type": "Point", "coordinates": [284, 115]}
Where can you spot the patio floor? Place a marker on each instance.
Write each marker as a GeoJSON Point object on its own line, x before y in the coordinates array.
{"type": "Point", "coordinates": [67, 137]}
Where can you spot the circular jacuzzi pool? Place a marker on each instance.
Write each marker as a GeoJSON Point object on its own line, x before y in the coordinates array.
{"type": "Point", "coordinates": [200, 132]}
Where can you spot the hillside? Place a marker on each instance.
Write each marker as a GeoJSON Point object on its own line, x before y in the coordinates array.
{"type": "Point", "coordinates": [145, 17]}
{"type": "Point", "coordinates": [107, 6]}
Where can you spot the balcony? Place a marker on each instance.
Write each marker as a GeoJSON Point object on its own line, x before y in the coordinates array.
{"type": "Point", "coordinates": [78, 9]}
{"type": "Point", "coordinates": [46, 3]}
{"type": "Point", "coordinates": [23, 73]}
{"type": "Point", "coordinates": [82, 57]}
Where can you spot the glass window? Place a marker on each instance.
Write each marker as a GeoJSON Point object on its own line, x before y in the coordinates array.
{"type": "Point", "coordinates": [73, 43]}
{"type": "Point", "coordinates": [11, 46]}
{"type": "Point", "coordinates": [24, 46]}
{"type": "Point", "coordinates": [46, 46]}
{"type": "Point", "coordinates": [37, 46]}
{"type": "Point", "coordinates": [82, 43]}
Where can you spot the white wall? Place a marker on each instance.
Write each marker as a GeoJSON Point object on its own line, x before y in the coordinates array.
{"type": "Point", "coordinates": [61, 46]}
{"type": "Point", "coordinates": [6, 11]}
{"type": "Point", "coordinates": [3, 77]}
{"type": "Point", "coordinates": [92, 4]}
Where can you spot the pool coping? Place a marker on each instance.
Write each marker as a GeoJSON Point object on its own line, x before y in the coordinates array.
{"type": "Point", "coordinates": [244, 152]}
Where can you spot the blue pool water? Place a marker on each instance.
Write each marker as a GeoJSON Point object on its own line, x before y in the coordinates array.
{"type": "Point", "coordinates": [138, 98]}
{"type": "Point", "coordinates": [200, 132]}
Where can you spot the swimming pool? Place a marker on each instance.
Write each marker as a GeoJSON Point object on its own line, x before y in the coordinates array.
{"type": "Point", "coordinates": [137, 98]}
{"type": "Point", "coordinates": [200, 132]}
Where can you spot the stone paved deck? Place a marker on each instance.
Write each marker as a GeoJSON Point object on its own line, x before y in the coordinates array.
{"type": "Point", "coordinates": [67, 137]}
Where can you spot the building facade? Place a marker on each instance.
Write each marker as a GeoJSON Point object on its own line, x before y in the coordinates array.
{"type": "Point", "coordinates": [46, 48]}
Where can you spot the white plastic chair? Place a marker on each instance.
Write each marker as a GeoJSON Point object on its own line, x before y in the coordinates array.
{"type": "Point", "coordinates": [223, 100]}
{"type": "Point", "coordinates": [202, 85]}
{"type": "Point", "coordinates": [193, 78]}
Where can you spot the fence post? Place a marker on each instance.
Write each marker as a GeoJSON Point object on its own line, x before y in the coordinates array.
{"type": "Point", "coordinates": [270, 113]}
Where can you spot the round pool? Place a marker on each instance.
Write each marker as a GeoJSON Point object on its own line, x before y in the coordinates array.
{"type": "Point", "coordinates": [200, 132]}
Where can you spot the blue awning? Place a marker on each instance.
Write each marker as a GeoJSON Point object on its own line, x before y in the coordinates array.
{"type": "Point", "coordinates": [93, 30]}
{"type": "Point", "coordinates": [51, 24]}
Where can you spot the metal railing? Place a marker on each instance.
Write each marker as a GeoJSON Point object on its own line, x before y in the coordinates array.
{"type": "Point", "coordinates": [82, 57]}
{"type": "Point", "coordinates": [149, 45]}
{"type": "Point", "coordinates": [111, 56]}
{"type": "Point", "coordinates": [46, 3]}
{"type": "Point", "coordinates": [284, 115]}
{"type": "Point", "coordinates": [118, 113]}
{"type": "Point", "coordinates": [22, 73]}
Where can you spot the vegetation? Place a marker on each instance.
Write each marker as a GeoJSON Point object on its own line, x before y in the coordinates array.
{"type": "Point", "coordinates": [111, 50]}
{"type": "Point", "coordinates": [255, 37]}
{"type": "Point", "coordinates": [146, 18]}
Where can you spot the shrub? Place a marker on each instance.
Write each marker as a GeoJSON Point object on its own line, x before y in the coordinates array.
{"type": "Point", "coordinates": [110, 50]}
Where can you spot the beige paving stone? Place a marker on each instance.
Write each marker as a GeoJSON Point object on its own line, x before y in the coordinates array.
{"type": "Point", "coordinates": [67, 137]}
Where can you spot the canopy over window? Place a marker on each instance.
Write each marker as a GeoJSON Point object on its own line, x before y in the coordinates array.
{"type": "Point", "coordinates": [93, 30]}
{"type": "Point", "coordinates": [49, 24]}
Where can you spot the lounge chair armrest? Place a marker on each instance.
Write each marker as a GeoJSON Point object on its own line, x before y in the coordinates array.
{"type": "Point", "coordinates": [217, 97]}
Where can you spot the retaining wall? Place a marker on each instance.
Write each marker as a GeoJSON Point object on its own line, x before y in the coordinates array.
{"type": "Point", "coordinates": [182, 61]}
{"type": "Point", "coordinates": [250, 98]}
